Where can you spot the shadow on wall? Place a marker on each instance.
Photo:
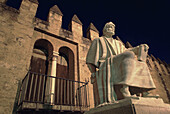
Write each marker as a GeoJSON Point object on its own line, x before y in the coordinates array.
{"type": "Point", "coordinates": [17, 98]}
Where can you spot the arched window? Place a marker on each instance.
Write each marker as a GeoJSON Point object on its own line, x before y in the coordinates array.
{"type": "Point", "coordinates": [65, 63]}
{"type": "Point", "coordinates": [39, 60]}
{"type": "Point", "coordinates": [62, 66]}
{"type": "Point", "coordinates": [38, 69]}
{"type": "Point", "coordinates": [39, 63]}
{"type": "Point", "coordinates": [65, 70]}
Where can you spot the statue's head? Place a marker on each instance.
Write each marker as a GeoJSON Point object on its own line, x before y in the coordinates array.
{"type": "Point", "coordinates": [109, 29]}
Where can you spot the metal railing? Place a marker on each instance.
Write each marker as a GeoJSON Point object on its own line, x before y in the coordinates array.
{"type": "Point", "coordinates": [36, 88]}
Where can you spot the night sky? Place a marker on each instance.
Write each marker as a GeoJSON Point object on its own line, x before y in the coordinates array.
{"type": "Point", "coordinates": [137, 21]}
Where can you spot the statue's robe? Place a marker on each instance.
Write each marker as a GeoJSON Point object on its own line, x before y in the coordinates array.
{"type": "Point", "coordinates": [107, 55]}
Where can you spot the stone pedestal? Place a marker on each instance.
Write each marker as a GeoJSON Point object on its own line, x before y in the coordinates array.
{"type": "Point", "coordinates": [133, 106]}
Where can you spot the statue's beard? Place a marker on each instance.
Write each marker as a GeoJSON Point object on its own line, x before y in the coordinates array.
{"type": "Point", "coordinates": [110, 33]}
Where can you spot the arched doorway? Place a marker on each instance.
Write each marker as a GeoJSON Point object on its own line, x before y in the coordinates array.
{"type": "Point", "coordinates": [39, 60]}
{"type": "Point", "coordinates": [64, 86]}
{"type": "Point", "coordinates": [65, 63]}
{"type": "Point", "coordinates": [38, 71]}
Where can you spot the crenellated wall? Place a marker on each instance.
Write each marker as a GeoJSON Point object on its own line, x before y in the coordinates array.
{"type": "Point", "coordinates": [20, 29]}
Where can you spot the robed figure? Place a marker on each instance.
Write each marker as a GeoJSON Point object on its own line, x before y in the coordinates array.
{"type": "Point", "coordinates": [111, 64]}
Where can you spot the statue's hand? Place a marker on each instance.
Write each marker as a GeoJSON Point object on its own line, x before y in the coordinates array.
{"type": "Point", "coordinates": [142, 52]}
{"type": "Point", "coordinates": [93, 75]}
{"type": "Point", "coordinates": [146, 47]}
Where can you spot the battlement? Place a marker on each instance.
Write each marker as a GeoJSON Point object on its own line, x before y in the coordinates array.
{"type": "Point", "coordinates": [53, 24]}
{"type": "Point", "coordinates": [22, 32]}
{"type": "Point", "coordinates": [25, 11]}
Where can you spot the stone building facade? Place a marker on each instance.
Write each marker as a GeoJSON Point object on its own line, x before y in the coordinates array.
{"type": "Point", "coordinates": [34, 52]}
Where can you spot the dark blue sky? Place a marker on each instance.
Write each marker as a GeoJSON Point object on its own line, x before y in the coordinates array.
{"type": "Point", "coordinates": [137, 21]}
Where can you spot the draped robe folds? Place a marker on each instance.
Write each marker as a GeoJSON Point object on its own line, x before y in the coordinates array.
{"type": "Point", "coordinates": [107, 56]}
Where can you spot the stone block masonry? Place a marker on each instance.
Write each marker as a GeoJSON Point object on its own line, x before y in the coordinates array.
{"type": "Point", "coordinates": [20, 29]}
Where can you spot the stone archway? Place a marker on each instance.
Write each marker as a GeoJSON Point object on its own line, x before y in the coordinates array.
{"type": "Point", "coordinates": [64, 84]}
{"type": "Point", "coordinates": [43, 49]}
{"type": "Point", "coordinates": [65, 64]}
{"type": "Point", "coordinates": [36, 77]}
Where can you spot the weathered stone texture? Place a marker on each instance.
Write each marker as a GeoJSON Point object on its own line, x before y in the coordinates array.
{"type": "Point", "coordinates": [16, 31]}
{"type": "Point", "coordinates": [19, 30]}
{"type": "Point", "coordinates": [161, 81]}
{"type": "Point", "coordinates": [55, 20]}
{"type": "Point", "coordinates": [133, 106]}
{"type": "Point", "coordinates": [77, 31]}
{"type": "Point", "coordinates": [92, 32]}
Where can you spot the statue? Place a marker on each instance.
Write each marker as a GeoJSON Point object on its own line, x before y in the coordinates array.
{"type": "Point", "coordinates": [118, 71]}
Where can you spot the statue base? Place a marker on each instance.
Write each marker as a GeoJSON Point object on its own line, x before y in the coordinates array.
{"type": "Point", "coordinates": [138, 105]}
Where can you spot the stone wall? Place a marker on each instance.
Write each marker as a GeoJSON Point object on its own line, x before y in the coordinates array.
{"type": "Point", "coordinates": [16, 30]}
{"type": "Point", "coordinates": [161, 76]}
{"type": "Point", "coordinates": [19, 30]}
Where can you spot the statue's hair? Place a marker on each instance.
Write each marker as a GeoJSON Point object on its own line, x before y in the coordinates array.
{"type": "Point", "coordinates": [108, 24]}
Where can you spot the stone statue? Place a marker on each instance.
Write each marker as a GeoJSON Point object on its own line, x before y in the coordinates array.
{"type": "Point", "coordinates": [117, 68]}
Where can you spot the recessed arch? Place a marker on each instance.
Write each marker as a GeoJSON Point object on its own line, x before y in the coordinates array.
{"type": "Point", "coordinates": [66, 59]}
{"type": "Point", "coordinates": [65, 70]}
{"type": "Point", "coordinates": [42, 50]}
{"type": "Point", "coordinates": [45, 46]}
